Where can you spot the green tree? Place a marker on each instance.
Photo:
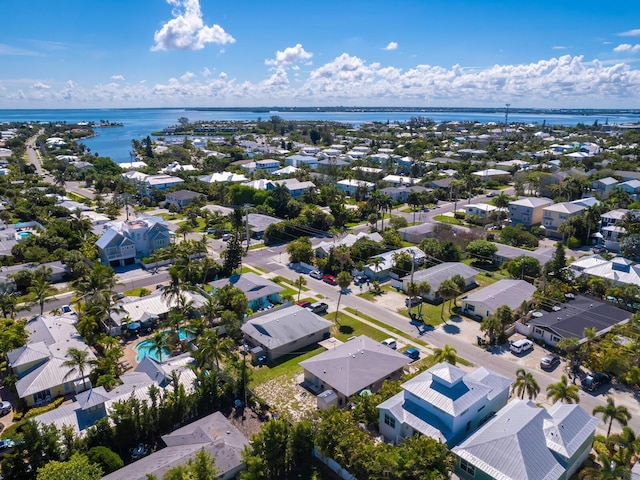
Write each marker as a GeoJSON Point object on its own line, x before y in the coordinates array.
{"type": "Point", "coordinates": [201, 467]}
{"type": "Point", "coordinates": [41, 290]}
{"type": "Point", "coordinates": [505, 315]}
{"type": "Point", "coordinates": [300, 282]}
{"type": "Point", "coordinates": [78, 362]}
{"type": "Point", "coordinates": [555, 267]}
{"type": "Point", "coordinates": [78, 467]}
{"type": "Point", "coordinates": [159, 343]}
{"type": "Point", "coordinates": [526, 383]}
{"type": "Point", "coordinates": [343, 280]}
{"type": "Point", "coordinates": [563, 392]}
{"type": "Point", "coordinates": [445, 354]}
{"type": "Point", "coordinates": [609, 470]}
{"type": "Point", "coordinates": [483, 250]}
{"type": "Point", "coordinates": [106, 458]}
{"type": "Point", "coordinates": [447, 290]}
{"type": "Point", "coordinates": [232, 255]}
{"type": "Point", "coordinates": [300, 250]}
{"type": "Point", "coordinates": [611, 412]}
{"type": "Point", "coordinates": [492, 327]}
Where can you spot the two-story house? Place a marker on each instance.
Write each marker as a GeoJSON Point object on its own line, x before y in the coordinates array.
{"type": "Point", "coordinates": [632, 187]}
{"type": "Point", "coordinates": [350, 186]}
{"type": "Point", "coordinates": [604, 186]}
{"type": "Point", "coordinates": [528, 211]}
{"type": "Point", "coordinates": [295, 187]}
{"type": "Point", "coordinates": [123, 243]}
{"type": "Point", "coordinates": [268, 166]}
{"type": "Point", "coordinates": [444, 403]}
{"type": "Point", "coordinates": [556, 215]}
{"type": "Point", "coordinates": [479, 212]}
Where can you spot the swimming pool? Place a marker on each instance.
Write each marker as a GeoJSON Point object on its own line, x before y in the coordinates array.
{"type": "Point", "coordinates": [145, 347]}
{"type": "Point", "coordinates": [24, 235]}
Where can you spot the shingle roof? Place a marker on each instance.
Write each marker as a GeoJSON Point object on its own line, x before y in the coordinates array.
{"type": "Point", "coordinates": [354, 365]}
{"type": "Point", "coordinates": [503, 292]}
{"type": "Point", "coordinates": [252, 285]}
{"type": "Point", "coordinates": [532, 202]}
{"type": "Point", "coordinates": [283, 326]}
{"type": "Point", "coordinates": [512, 446]}
{"type": "Point", "coordinates": [439, 273]}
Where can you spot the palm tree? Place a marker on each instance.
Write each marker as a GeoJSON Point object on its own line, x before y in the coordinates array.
{"type": "Point", "coordinates": [563, 392]}
{"type": "Point", "coordinates": [98, 281]}
{"type": "Point", "coordinates": [589, 335]}
{"type": "Point", "coordinates": [526, 383]}
{"type": "Point", "coordinates": [447, 354]}
{"type": "Point", "coordinates": [412, 291]}
{"type": "Point", "coordinates": [492, 327]}
{"type": "Point", "coordinates": [610, 470]}
{"type": "Point", "coordinates": [300, 282]}
{"type": "Point", "coordinates": [611, 412]}
{"type": "Point", "coordinates": [211, 347]}
{"type": "Point", "coordinates": [343, 280]}
{"type": "Point", "coordinates": [414, 200]}
{"type": "Point", "coordinates": [376, 263]}
{"type": "Point", "coordinates": [423, 289]}
{"type": "Point", "coordinates": [447, 291]}
{"type": "Point", "coordinates": [184, 230]}
{"type": "Point", "coordinates": [460, 284]}
{"type": "Point", "coordinates": [159, 343]}
{"type": "Point", "coordinates": [41, 289]}
{"type": "Point", "coordinates": [501, 201]}
{"type": "Point", "coordinates": [78, 361]}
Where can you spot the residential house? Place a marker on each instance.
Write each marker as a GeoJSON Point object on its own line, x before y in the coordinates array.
{"type": "Point", "coordinates": [175, 167]}
{"type": "Point", "coordinates": [260, 291]}
{"type": "Point", "coordinates": [612, 217]}
{"type": "Point", "coordinates": [573, 317]}
{"type": "Point", "coordinates": [401, 194]}
{"type": "Point", "coordinates": [588, 261]}
{"type": "Point", "coordinates": [383, 269]}
{"type": "Point", "coordinates": [323, 248]}
{"type": "Point", "coordinates": [222, 441]}
{"type": "Point", "coordinates": [259, 222]}
{"type": "Point", "coordinates": [444, 402]}
{"type": "Point", "coordinates": [137, 165]}
{"type": "Point", "coordinates": [527, 211]}
{"type": "Point", "coordinates": [284, 330]}
{"type": "Point", "coordinates": [400, 180]}
{"type": "Point", "coordinates": [300, 160]}
{"type": "Point", "coordinates": [504, 253]}
{"type": "Point", "coordinates": [38, 365]}
{"type": "Point", "coordinates": [57, 270]}
{"type": "Point", "coordinates": [443, 183]}
{"type": "Point", "coordinates": [295, 187]}
{"type": "Point", "coordinates": [632, 187]}
{"type": "Point", "coordinates": [124, 243]}
{"type": "Point", "coordinates": [587, 202]}
{"type": "Point", "coordinates": [604, 186]}
{"type": "Point", "coordinates": [513, 164]}
{"type": "Point", "coordinates": [350, 186]}
{"type": "Point", "coordinates": [181, 198]}
{"type": "Point", "coordinates": [619, 271]}
{"type": "Point", "coordinates": [437, 274]}
{"type": "Point", "coordinates": [358, 364]}
{"type": "Point", "coordinates": [148, 182]}
{"type": "Point", "coordinates": [480, 212]}
{"type": "Point", "coordinates": [484, 302]}
{"type": "Point", "coordinates": [417, 233]}
{"type": "Point", "coordinates": [288, 170]}
{"type": "Point", "coordinates": [526, 442]}
{"type": "Point", "coordinates": [268, 166]}
{"type": "Point", "coordinates": [223, 177]}
{"type": "Point", "coordinates": [491, 174]}
{"type": "Point", "coordinates": [554, 216]}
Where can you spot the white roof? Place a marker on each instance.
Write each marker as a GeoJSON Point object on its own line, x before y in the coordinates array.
{"type": "Point", "coordinates": [490, 172]}
{"type": "Point", "coordinates": [223, 177]}
{"type": "Point", "coordinates": [564, 207]}
{"type": "Point", "coordinates": [387, 258]}
{"type": "Point", "coordinates": [504, 292]}
{"type": "Point", "coordinates": [532, 202]}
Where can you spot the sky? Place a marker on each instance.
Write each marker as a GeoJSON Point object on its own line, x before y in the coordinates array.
{"type": "Point", "coordinates": [243, 53]}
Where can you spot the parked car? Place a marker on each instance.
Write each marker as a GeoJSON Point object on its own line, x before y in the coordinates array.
{"type": "Point", "coordinates": [412, 301]}
{"type": "Point", "coordinates": [330, 279]}
{"type": "Point", "coordinates": [317, 274]}
{"type": "Point", "coordinates": [304, 304]}
{"type": "Point", "coordinates": [550, 362]}
{"type": "Point", "coordinates": [521, 346]}
{"type": "Point", "coordinates": [6, 446]}
{"type": "Point", "coordinates": [412, 353]}
{"type": "Point", "coordinates": [66, 309]}
{"type": "Point", "coordinates": [5, 407]}
{"type": "Point", "coordinates": [390, 342]}
{"type": "Point", "coordinates": [492, 194]}
{"type": "Point", "coordinates": [318, 307]}
{"type": "Point", "coordinates": [594, 381]}
{"type": "Point", "coordinates": [359, 280]}
{"type": "Point", "coordinates": [226, 236]}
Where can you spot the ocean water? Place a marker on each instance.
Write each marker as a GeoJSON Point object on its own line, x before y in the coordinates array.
{"type": "Point", "coordinates": [115, 142]}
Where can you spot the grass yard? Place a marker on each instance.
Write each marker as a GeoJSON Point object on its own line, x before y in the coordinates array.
{"type": "Point", "coordinates": [286, 365]}
{"type": "Point", "coordinates": [171, 216]}
{"type": "Point", "coordinates": [398, 333]}
{"type": "Point", "coordinates": [200, 227]}
{"type": "Point", "coordinates": [448, 219]}
{"type": "Point", "coordinates": [348, 327]}
{"type": "Point", "coordinates": [136, 292]}
{"type": "Point", "coordinates": [484, 279]}
{"type": "Point", "coordinates": [260, 269]}
{"type": "Point", "coordinates": [431, 314]}
{"type": "Point", "coordinates": [257, 246]}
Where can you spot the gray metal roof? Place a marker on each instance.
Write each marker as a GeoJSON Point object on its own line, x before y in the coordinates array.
{"type": "Point", "coordinates": [254, 286]}
{"type": "Point", "coordinates": [355, 365]}
{"type": "Point", "coordinates": [439, 273]}
{"type": "Point", "coordinates": [503, 292]}
{"type": "Point", "coordinates": [214, 433]}
{"type": "Point", "coordinates": [570, 426]}
{"type": "Point", "coordinates": [512, 445]}
{"type": "Point", "coordinates": [283, 326]}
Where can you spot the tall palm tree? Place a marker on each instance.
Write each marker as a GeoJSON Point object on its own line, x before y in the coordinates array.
{"type": "Point", "coordinates": [526, 383]}
{"type": "Point", "coordinates": [492, 327]}
{"type": "Point", "coordinates": [41, 289]}
{"type": "Point", "coordinates": [343, 280]}
{"type": "Point", "coordinates": [501, 201]}
{"type": "Point", "coordinates": [184, 230]}
{"type": "Point", "coordinates": [611, 412]}
{"type": "Point", "coordinates": [376, 263]}
{"type": "Point", "coordinates": [563, 392]}
{"type": "Point", "coordinates": [447, 354]}
{"type": "Point", "coordinates": [78, 361]}
{"type": "Point", "coordinates": [460, 283]}
{"type": "Point", "coordinates": [300, 282]}
{"type": "Point", "coordinates": [98, 280]}
{"type": "Point", "coordinates": [159, 343]}
{"type": "Point", "coordinates": [211, 348]}
{"type": "Point", "coordinates": [423, 289]}
{"type": "Point", "coordinates": [610, 470]}
{"type": "Point", "coordinates": [412, 291]}
{"type": "Point", "coordinates": [447, 291]}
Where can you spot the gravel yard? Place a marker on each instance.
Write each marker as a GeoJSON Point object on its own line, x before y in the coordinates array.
{"type": "Point", "coordinates": [287, 398]}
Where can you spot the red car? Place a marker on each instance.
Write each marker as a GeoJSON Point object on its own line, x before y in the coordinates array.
{"type": "Point", "coordinates": [304, 303]}
{"type": "Point", "coordinates": [330, 279]}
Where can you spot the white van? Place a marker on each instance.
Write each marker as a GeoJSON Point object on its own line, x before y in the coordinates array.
{"type": "Point", "coordinates": [390, 342]}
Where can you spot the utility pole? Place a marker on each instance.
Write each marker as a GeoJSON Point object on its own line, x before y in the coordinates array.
{"type": "Point", "coordinates": [413, 263]}
{"type": "Point", "coordinates": [246, 221]}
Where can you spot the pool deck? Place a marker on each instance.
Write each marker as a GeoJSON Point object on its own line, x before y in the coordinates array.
{"type": "Point", "coordinates": [128, 359]}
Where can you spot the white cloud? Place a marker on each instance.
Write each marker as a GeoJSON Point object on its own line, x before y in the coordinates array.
{"type": "Point", "coordinates": [205, 72]}
{"type": "Point", "coordinates": [9, 50]}
{"type": "Point", "coordinates": [187, 76]}
{"type": "Point", "coordinates": [630, 33]}
{"type": "Point", "coordinates": [627, 47]}
{"type": "Point", "coordinates": [560, 47]}
{"type": "Point", "coordinates": [391, 46]}
{"type": "Point", "coordinates": [289, 56]}
{"type": "Point", "coordinates": [117, 77]}
{"type": "Point", "coordinates": [565, 81]}
{"type": "Point", "coordinates": [187, 31]}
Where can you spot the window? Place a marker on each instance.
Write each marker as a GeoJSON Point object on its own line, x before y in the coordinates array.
{"type": "Point", "coordinates": [389, 420]}
{"type": "Point", "coordinates": [555, 339]}
{"type": "Point", "coordinates": [467, 467]}
{"type": "Point", "coordinates": [468, 426]}
{"type": "Point", "coordinates": [471, 308]}
{"type": "Point", "coordinates": [481, 408]}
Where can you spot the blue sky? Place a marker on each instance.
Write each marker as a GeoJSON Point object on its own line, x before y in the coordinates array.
{"type": "Point", "coordinates": [173, 53]}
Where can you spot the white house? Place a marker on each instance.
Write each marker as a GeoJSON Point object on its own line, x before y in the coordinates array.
{"type": "Point", "coordinates": [160, 182]}
{"type": "Point", "coordinates": [222, 177]}
{"type": "Point", "coordinates": [350, 186]}
{"type": "Point", "coordinates": [490, 174]}
{"type": "Point", "coordinates": [484, 302]}
{"type": "Point", "coordinates": [123, 243]}
{"type": "Point", "coordinates": [383, 269]}
{"type": "Point", "coordinates": [268, 166]}
{"type": "Point", "coordinates": [444, 403]}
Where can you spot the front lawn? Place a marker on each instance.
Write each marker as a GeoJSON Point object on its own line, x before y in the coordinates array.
{"type": "Point", "coordinates": [348, 327]}
{"type": "Point", "coordinates": [287, 365]}
{"type": "Point", "coordinates": [448, 219]}
{"type": "Point", "coordinates": [398, 333]}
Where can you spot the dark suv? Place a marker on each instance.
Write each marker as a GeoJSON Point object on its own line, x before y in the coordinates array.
{"type": "Point", "coordinates": [594, 381]}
